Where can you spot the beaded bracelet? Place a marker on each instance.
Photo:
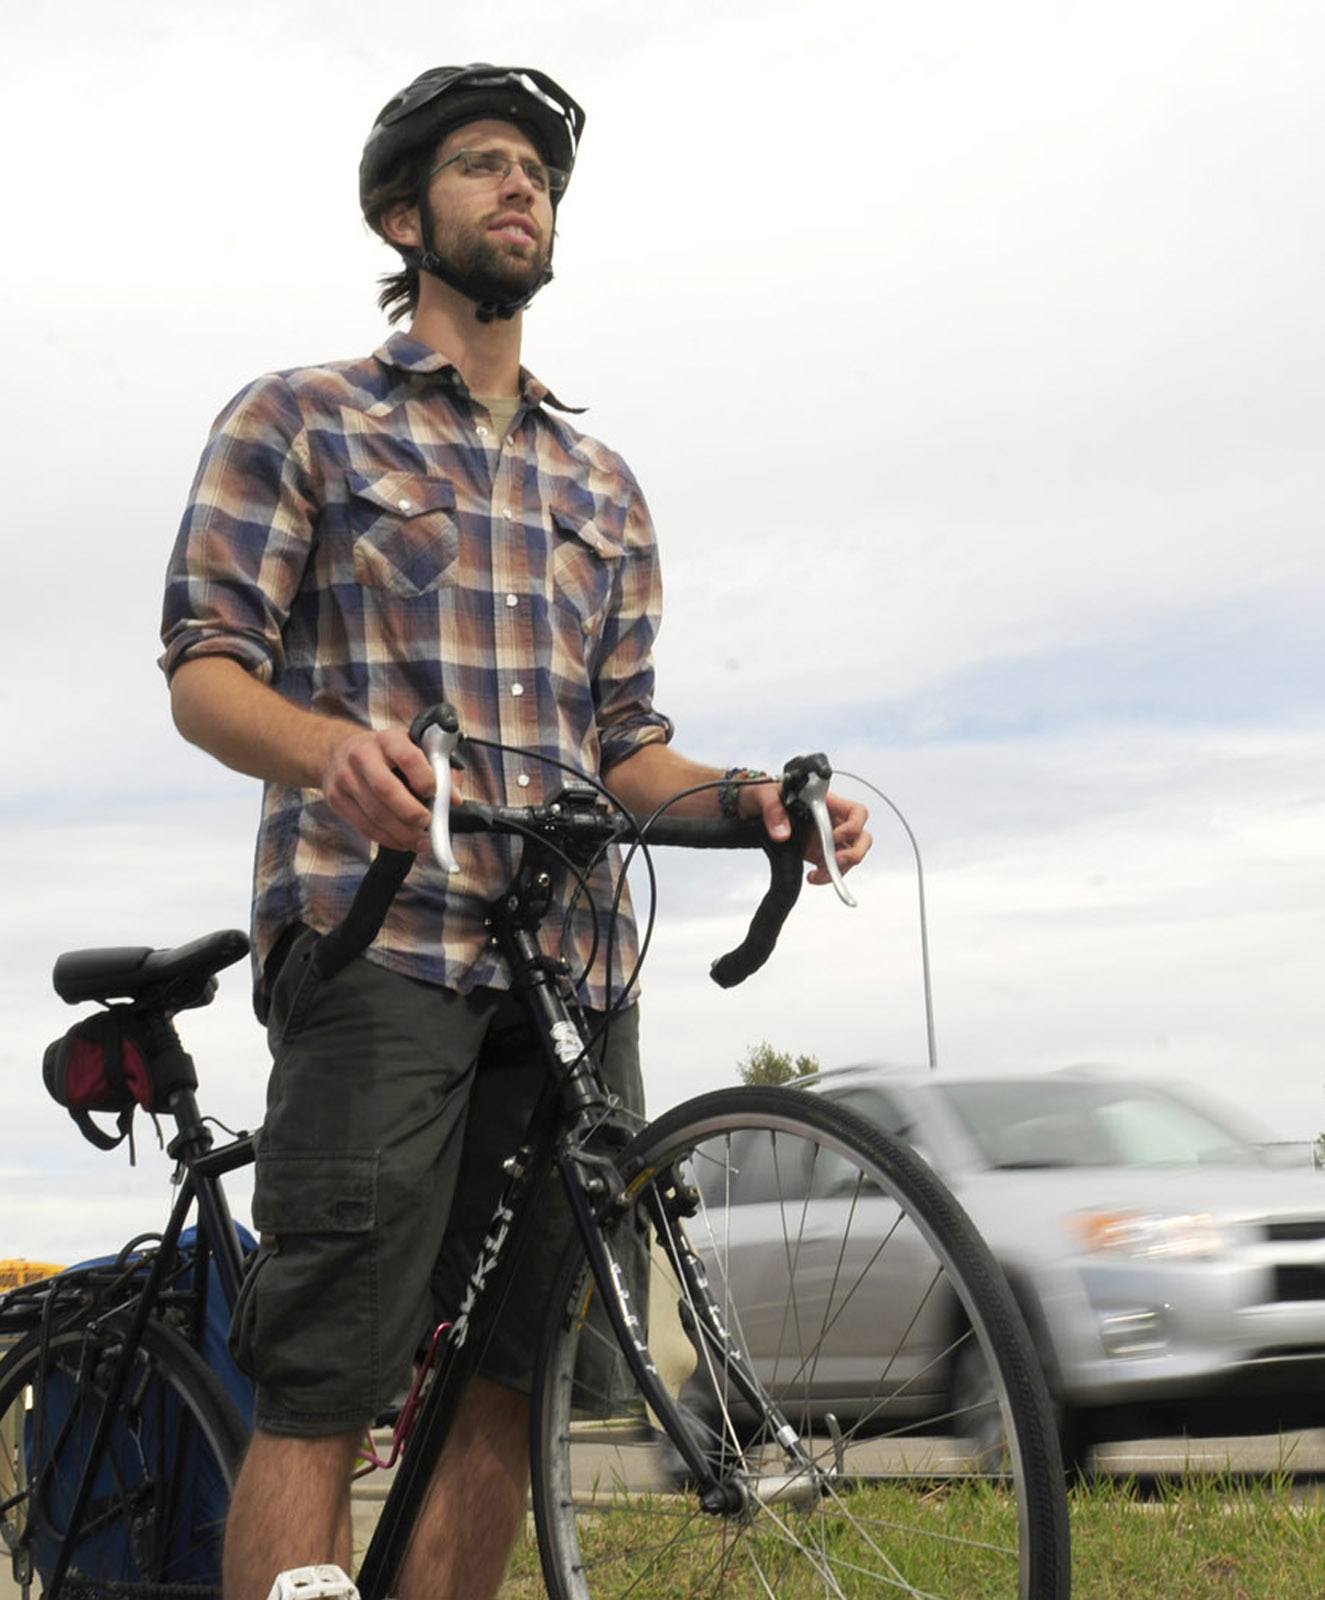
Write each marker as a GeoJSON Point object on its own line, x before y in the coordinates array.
{"type": "Point", "coordinates": [729, 790]}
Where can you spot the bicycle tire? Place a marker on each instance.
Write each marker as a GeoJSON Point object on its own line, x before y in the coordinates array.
{"type": "Point", "coordinates": [615, 1510]}
{"type": "Point", "coordinates": [154, 1525]}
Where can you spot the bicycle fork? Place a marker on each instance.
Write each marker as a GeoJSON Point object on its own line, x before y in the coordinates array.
{"type": "Point", "coordinates": [722, 1491]}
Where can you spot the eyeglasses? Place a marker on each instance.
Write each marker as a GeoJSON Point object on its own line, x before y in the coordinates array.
{"type": "Point", "coordinates": [492, 164]}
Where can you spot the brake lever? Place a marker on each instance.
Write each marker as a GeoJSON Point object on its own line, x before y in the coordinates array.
{"type": "Point", "coordinates": [805, 783]}
{"type": "Point", "coordinates": [436, 731]}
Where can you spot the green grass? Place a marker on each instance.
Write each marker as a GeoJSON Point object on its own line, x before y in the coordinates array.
{"type": "Point", "coordinates": [1201, 1538]}
{"type": "Point", "coordinates": [1206, 1538]}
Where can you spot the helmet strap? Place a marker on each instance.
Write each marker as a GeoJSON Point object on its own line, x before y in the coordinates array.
{"type": "Point", "coordinates": [486, 309]}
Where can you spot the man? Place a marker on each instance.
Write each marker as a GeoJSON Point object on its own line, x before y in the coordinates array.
{"type": "Point", "coordinates": [364, 539]}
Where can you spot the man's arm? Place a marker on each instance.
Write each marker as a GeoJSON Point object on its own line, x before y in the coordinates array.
{"type": "Point", "coordinates": [656, 772]}
{"type": "Point", "coordinates": [223, 709]}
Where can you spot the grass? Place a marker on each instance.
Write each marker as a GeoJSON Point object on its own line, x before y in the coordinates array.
{"type": "Point", "coordinates": [1199, 1538]}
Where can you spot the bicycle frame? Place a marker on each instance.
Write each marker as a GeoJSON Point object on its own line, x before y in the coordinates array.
{"type": "Point", "coordinates": [573, 1109]}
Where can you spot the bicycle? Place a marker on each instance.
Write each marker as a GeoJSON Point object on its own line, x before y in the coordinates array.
{"type": "Point", "coordinates": [691, 1432]}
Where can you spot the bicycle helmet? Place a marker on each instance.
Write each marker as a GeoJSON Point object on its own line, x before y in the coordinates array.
{"type": "Point", "coordinates": [447, 97]}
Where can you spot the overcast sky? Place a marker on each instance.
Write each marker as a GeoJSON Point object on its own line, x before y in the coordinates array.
{"type": "Point", "coordinates": [971, 359]}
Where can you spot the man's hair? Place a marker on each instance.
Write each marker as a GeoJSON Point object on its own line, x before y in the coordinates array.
{"type": "Point", "coordinates": [399, 290]}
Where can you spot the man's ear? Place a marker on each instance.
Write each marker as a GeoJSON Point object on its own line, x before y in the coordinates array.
{"type": "Point", "coordinates": [400, 224]}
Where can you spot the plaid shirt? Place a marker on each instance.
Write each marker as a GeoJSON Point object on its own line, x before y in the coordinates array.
{"type": "Point", "coordinates": [355, 540]}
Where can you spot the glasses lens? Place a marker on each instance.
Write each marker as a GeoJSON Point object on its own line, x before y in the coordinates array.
{"type": "Point", "coordinates": [484, 163]}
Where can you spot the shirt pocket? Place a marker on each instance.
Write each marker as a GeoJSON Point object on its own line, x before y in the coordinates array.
{"type": "Point", "coordinates": [584, 564]}
{"type": "Point", "coordinates": [404, 529]}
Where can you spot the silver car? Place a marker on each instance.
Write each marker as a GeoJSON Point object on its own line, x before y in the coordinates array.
{"type": "Point", "coordinates": [1172, 1278]}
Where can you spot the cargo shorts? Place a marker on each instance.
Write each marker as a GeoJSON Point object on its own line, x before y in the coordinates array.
{"type": "Point", "coordinates": [390, 1106]}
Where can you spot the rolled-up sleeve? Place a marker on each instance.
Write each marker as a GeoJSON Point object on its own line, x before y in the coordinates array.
{"type": "Point", "coordinates": [245, 538]}
{"type": "Point", "coordinates": [623, 677]}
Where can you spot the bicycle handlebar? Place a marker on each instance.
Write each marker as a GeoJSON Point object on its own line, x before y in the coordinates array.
{"type": "Point", "coordinates": [437, 732]}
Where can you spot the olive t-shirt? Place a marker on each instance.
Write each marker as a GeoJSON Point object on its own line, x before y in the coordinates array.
{"type": "Point", "coordinates": [501, 407]}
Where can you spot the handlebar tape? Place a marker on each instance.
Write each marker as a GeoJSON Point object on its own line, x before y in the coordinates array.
{"type": "Point", "coordinates": [785, 868]}
{"type": "Point", "coordinates": [785, 864]}
{"type": "Point", "coordinates": [367, 913]}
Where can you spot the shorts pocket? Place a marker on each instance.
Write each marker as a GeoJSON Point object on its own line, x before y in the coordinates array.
{"type": "Point", "coordinates": [306, 1322]}
{"type": "Point", "coordinates": [310, 1192]}
{"type": "Point", "coordinates": [405, 532]}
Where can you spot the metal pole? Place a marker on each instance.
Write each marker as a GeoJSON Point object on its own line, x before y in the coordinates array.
{"type": "Point", "coordinates": [924, 931]}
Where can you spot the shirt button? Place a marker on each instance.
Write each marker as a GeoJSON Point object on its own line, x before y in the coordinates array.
{"type": "Point", "coordinates": [404, 505]}
{"type": "Point", "coordinates": [517, 688]}
{"type": "Point", "coordinates": [507, 512]}
{"type": "Point", "coordinates": [512, 601]}
{"type": "Point", "coordinates": [523, 780]}
{"type": "Point", "coordinates": [481, 431]}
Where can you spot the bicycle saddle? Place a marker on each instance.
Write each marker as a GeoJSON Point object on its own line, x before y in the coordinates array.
{"type": "Point", "coordinates": [137, 972]}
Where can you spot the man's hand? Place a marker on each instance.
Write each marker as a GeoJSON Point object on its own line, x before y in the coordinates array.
{"type": "Point", "coordinates": [851, 843]}
{"type": "Point", "coordinates": [368, 779]}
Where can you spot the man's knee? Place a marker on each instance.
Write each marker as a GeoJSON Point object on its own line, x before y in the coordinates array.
{"type": "Point", "coordinates": [282, 1452]}
{"type": "Point", "coordinates": [488, 1398]}
{"type": "Point", "coordinates": [492, 1421]}
{"type": "Point", "coordinates": [278, 1468]}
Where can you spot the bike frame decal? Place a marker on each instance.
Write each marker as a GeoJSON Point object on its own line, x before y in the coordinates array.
{"type": "Point", "coordinates": [494, 1242]}
{"type": "Point", "coordinates": [567, 1043]}
{"type": "Point", "coordinates": [632, 1323]}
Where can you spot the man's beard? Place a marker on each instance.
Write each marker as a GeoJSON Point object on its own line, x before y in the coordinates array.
{"type": "Point", "coordinates": [495, 272]}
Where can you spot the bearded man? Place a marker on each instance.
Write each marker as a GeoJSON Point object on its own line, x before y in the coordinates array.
{"type": "Point", "coordinates": [364, 539]}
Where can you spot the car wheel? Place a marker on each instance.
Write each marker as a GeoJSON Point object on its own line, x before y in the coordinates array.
{"type": "Point", "coordinates": [978, 1423]}
{"type": "Point", "coordinates": [1076, 1442]}
{"type": "Point", "coordinates": [975, 1410]}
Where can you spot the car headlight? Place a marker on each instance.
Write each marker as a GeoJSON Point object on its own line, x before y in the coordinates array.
{"type": "Point", "coordinates": [1154, 1234]}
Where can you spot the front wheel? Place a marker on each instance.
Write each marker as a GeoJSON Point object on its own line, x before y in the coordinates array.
{"type": "Point", "coordinates": [812, 1357]}
{"type": "Point", "coordinates": [157, 1509]}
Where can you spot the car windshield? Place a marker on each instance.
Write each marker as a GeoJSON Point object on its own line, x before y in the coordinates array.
{"type": "Point", "coordinates": [1047, 1122]}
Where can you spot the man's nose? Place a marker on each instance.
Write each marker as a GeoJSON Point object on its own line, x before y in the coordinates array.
{"type": "Point", "coordinates": [516, 185]}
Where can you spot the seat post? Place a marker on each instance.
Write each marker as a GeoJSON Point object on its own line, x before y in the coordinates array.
{"type": "Point", "coordinates": [175, 1077]}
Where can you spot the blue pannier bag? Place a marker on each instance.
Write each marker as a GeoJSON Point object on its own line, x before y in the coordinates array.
{"type": "Point", "coordinates": [155, 1463]}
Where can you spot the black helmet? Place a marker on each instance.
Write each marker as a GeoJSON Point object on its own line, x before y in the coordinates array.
{"type": "Point", "coordinates": [447, 97]}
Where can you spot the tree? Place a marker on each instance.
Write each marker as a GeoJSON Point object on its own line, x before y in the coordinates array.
{"type": "Point", "coordinates": [763, 1064]}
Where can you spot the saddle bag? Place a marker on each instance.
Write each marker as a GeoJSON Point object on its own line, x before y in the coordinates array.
{"type": "Point", "coordinates": [108, 1062]}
